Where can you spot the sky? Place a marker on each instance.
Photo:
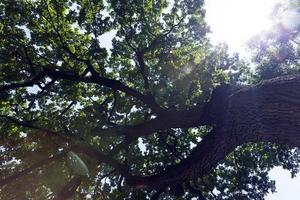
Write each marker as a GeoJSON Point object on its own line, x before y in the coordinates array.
{"type": "Point", "coordinates": [234, 22]}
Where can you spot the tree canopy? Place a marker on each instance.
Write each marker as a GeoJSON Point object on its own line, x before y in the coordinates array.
{"type": "Point", "coordinates": [160, 113]}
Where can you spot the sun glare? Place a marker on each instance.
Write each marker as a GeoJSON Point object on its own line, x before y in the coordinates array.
{"type": "Point", "coordinates": [235, 21]}
{"type": "Point", "coordinates": [290, 19]}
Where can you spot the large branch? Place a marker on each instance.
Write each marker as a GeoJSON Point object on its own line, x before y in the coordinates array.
{"type": "Point", "coordinates": [34, 81]}
{"type": "Point", "coordinates": [9, 179]}
{"type": "Point", "coordinates": [111, 83]}
{"type": "Point", "coordinates": [69, 189]}
{"type": "Point", "coordinates": [195, 116]}
{"type": "Point", "coordinates": [169, 119]}
{"type": "Point", "coordinates": [267, 112]}
{"type": "Point", "coordinates": [75, 144]}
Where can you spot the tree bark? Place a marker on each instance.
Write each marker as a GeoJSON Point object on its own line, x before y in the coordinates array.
{"type": "Point", "coordinates": [266, 112]}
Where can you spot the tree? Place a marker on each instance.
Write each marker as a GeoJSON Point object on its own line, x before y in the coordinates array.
{"type": "Point", "coordinates": [276, 51]}
{"type": "Point", "coordinates": [162, 114]}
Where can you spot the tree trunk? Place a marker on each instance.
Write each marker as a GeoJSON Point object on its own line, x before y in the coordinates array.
{"type": "Point", "coordinates": [267, 112]}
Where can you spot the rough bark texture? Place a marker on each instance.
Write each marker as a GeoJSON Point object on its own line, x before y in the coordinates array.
{"type": "Point", "coordinates": [269, 111]}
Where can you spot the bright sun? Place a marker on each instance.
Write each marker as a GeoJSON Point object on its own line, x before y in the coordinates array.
{"type": "Point", "coordinates": [235, 21]}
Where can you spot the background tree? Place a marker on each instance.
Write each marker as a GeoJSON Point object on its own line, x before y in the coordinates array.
{"type": "Point", "coordinates": [135, 121]}
{"type": "Point", "coordinates": [276, 51]}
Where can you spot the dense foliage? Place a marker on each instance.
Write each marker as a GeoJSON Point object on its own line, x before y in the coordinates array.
{"type": "Point", "coordinates": [67, 92]}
